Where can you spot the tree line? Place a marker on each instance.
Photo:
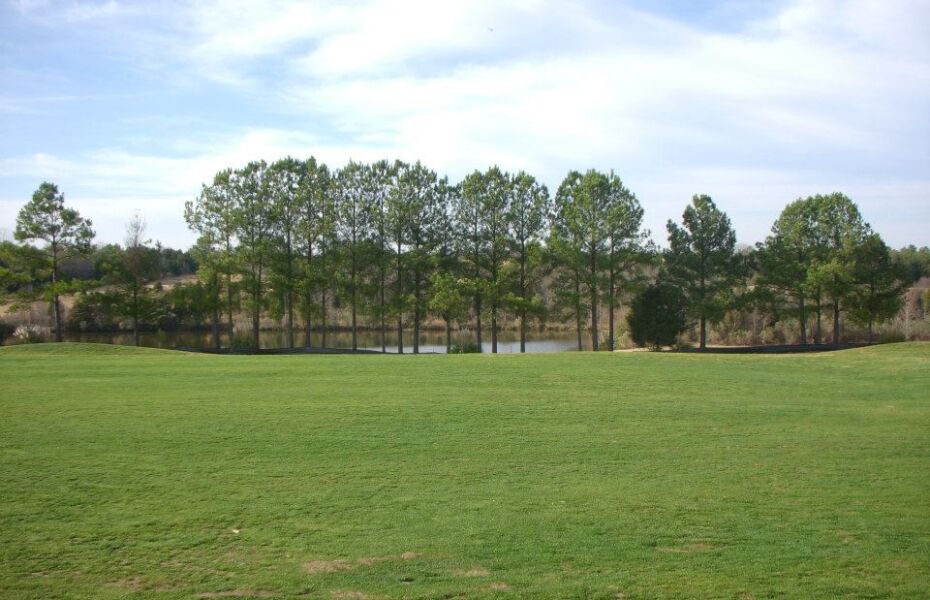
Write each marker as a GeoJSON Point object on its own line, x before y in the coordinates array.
{"type": "Point", "coordinates": [396, 243]}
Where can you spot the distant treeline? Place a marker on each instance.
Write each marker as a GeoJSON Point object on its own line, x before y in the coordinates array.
{"type": "Point", "coordinates": [397, 244]}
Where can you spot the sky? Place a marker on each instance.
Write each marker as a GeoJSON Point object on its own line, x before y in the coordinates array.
{"type": "Point", "coordinates": [131, 106]}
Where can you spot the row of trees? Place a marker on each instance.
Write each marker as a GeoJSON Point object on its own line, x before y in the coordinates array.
{"type": "Point", "coordinates": [395, 243]}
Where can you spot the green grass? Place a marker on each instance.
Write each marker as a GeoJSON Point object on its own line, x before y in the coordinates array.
{"type": "Point", "coordinates": [127, 473]}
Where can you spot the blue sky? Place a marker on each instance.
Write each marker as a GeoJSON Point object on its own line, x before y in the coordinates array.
{"type": "Point", "coordinates": [130, 106]}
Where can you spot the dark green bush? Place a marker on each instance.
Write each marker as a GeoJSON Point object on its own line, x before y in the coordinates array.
{"type": "Point", "coordinates": [465, 348]}
{"type": "Point", "coordinates": [657, 316]}
{"type": "Point", "coordinates": [6, 330]}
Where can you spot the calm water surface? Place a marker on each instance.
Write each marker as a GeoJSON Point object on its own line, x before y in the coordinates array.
{"type": "Point", "coordinates": [430, 342]}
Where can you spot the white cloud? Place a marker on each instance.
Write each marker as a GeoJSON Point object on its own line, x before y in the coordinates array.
{"type": "Point", "coordinates": [816, 96]}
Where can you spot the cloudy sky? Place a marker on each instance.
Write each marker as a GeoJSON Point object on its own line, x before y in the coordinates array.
{"type": "Point", "coordinates": [130, 106]}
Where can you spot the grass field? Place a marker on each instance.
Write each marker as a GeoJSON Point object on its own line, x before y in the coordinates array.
{"type": "Point", "coordinates": [131, 473]}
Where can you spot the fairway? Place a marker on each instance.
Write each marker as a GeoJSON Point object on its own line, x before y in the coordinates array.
{"type": "Point", "coordinates": [139, 473]}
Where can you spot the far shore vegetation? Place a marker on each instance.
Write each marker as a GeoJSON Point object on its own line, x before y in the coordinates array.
{"type": "Point", "coordinates": [394, 250]}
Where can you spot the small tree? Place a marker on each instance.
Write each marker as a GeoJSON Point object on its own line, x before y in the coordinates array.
{"type": "Point", "coordinates": [449, 300]}
{"type": "Point", "coordinates": [657, 316]}
{"type": "Point", "coordinates": [134, 268]}
{"type": "Point", "coordinates": [879, 284]}
{"type": "Point", "coordinates": [702, 260]}
{"type": "Point", "coordinates": [527, 221]}
{"type": "Point", "coordinates": [65, 232]}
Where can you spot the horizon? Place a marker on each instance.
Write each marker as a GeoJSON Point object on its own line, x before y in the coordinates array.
{"type": "Point", "coordinates": [130, 108]}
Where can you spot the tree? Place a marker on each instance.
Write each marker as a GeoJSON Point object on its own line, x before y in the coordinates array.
{"type": "Point", "coordinates": [254, 231]}
{"type": "Point", "coordinates": [383, 179]}
{"type": "Point", "coordinates": [657, 315]}
{"type": "Point", "coordinates": [64, 231]}
{"type": "Point", "coordinates": [566, 249]}
{"type": "Point", "coordinates": [879, 283]}
{"type": "Point", "coordinates": [419, 191]}
{"type": "Point", "coordinates": [785, 258]}
{"type": "Point", "coordinates": [284, 180]}
{"type": "Point", "coordinates": [494, 208]}
{"type": "Point", "coordinates": [213, 215]}
{"type": "Point", "coordinates": [702, 260]}
{"type": "Point", "coordinates": [139, 267]}
{"type": "Point", "coordinates": [352, 195]}
{"type": "Point", "coordinates": [915, 261]}
{"type": "Point", "coordinates": [526, 221]}
{"type": "Point", "coordinates": [469, 222]}
{"type": "Point", "coordinates": [599, 221]}
{"type": "Point", "coordinates": [838, 227]}
{"type": "Point", "coordinates": [448, 300]}
{"type": "Point", "coordinates": [208, 273]}
{"type": "Point", "coordinates": [313, 234]}
{"type": "Point", "coordinates": [22, 266]}
{"type": "Point", "coordinates": [400, 214]}
{"type": "Point", "coordinates": [481, 213]}
{"type": "Point", "coordinates": [626, 251]}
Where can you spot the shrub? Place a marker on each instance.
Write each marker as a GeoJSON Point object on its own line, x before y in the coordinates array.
{"type": "Point", "coordinates": [465, 348]}
{"type": "Point", "coordinates": [657, 316]}
{"type": "Point", "coordinates": [6, 330]}
{"type": "Point", "coordinates": [892, 338]}
{"type": "Point", "coordinates": [31, 334]}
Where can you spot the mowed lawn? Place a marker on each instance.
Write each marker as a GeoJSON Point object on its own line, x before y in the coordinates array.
{"type": "Point", "coordinates": [130, 473]}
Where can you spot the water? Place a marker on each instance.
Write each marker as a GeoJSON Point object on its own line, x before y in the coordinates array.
{"type": "Point", "coordinates": [430, 342]}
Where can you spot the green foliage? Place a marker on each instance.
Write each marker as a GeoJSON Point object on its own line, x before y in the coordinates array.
{"type": "Point", "coordinates": [915, 261]}
{"type": "Point", "coordinates": [657, 316]}
{"type": "Point", "coordinates": [465, 348]}
{"type": "Point", "coordinates": [702, 261]}
{"type": "Point", "coordinates": [6, 330]}
{"type": "Point", "coordinates": [45, 218]}
{"type": "Point", "coordinates": [64, 232]}
{"type": "Point", "coordinates": [879, 283]}
{"type": "Point", "coordinates": [449, 297]}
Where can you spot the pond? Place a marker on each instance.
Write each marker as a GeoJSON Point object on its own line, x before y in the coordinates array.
{"type": "Point", "coordinates": [430, 341]}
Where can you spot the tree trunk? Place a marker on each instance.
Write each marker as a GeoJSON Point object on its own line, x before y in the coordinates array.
{"type": "Point", "coordinates": [400, 293]}
{"type": "Point", "coordinates": [229, 289]}
{"type": "Point", "coordinates": [354, 301]}
{"type": "Point", "coordinates": [595, 346]}
{"type": "Point", "coordinates": [594, 341]}
{"type": "Point", "coordinates": [871, 321]}
{"type": "Point", "coordinates": [59, 337]}
{"type": "Point", "coordinates": [55, 300]}
{"type": "Point", "coordinates": [416, 310]}
{"type": "Point", "coordinates": [448, 336]}
{"type": "Point", "coordinates": [216, 311]}
{"type": "Point", "coordinates": [256, 315]}
{"type": "Point", "coordinates": [818, 328]}
{"type": "Point", "coordinates": [135, 317]}
{"type": "Point", "coordinates": [703, 341]}
{"type": "Point", "coordinates": [289, 297]}
{"type": "Point", "coordinates": [836, 320]}
{"type": "Point", "coordinates": [323, 319]}
{"type": "Point", "coordinates": [478, 319]}
{"type": "Point", "coordinates": [381, 311]}
{"type": "Point", "coordinates": [308, 298]}
{"type": "Point", "coordinates": [494, 326]}
{"type": "Point", "coordinates": [522, 298]}
{"type": "Point", "coordinates": [307, 330]}
{"type": "Point", "coordinates": [611, 308]}
{"type": "Point", "coordinates": [578, 310]}
{"type": "Point", "coordinates": [802, 319]}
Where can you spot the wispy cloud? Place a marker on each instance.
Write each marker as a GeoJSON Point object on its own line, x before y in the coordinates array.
{"type": "Point", "coordinates": [807, 96]}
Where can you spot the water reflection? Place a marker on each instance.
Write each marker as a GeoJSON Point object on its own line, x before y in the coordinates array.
{"type": "Point", "coordinates": [430, 342]}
